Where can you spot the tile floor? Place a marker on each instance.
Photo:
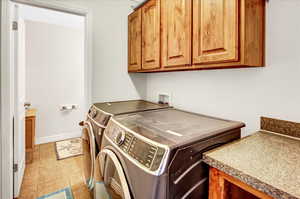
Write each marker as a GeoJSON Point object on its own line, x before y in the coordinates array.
{"type": "Point", "coordinates": [46, 174]}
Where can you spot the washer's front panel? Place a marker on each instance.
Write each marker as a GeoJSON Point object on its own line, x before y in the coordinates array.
{"type": "Point", "coordinates": [113, 175]}
{"type": "Point", "coordinates": [98, 116]}
{"type": "Point", "coordinates": [98, 134]}
{"type": "Point", "coordinates": [141, 152]}
{"type": "Point", "coordinates": [88, 146]}
{"type": "Point", "coordinates": [142, 185]}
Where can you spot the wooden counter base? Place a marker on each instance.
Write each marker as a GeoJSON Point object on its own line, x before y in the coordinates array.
{"type": "Point", "coordinates": [223, 186]}
{"type": "Point", "coordinates": [30, 134]}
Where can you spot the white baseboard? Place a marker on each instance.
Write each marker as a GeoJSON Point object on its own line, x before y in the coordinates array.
{"type": "Point", "coordinates": [55, 138]}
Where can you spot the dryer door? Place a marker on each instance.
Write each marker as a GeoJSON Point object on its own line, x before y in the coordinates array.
{"type": "Point", "coordinates": [112, 175]}
{"type": "Point", "coordinates": [89, 153]}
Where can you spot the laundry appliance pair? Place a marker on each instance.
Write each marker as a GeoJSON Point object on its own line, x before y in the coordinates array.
{"type": "Point", "coordinates": [151, 153]}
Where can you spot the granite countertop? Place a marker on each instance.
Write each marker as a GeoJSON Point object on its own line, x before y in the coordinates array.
{"type": "Point", "coordinates": [267, 161]}
{"type": "Point", "coordinates": [30, 112]}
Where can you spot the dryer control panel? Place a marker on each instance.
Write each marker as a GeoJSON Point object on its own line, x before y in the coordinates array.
{"type": "Point", "coordinates": [142, 151]}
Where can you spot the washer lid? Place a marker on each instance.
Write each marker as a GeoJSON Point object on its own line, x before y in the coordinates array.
{"type": "Point", "coordinates": [125, 107]}
{"type": "Point", "coordinates": [174, 127]}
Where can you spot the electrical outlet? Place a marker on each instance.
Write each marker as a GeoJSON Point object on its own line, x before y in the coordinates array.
{"type": "Point", "coordinates": [164, 98]}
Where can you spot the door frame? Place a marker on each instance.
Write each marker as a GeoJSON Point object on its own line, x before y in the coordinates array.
{"type": "Point", "coordinates": [18, 41]}
{"type": "Point", "coordinates": [7, 79]}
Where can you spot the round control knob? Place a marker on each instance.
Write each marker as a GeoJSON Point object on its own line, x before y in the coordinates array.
{"type": "Point", "coordinates": [120, 138]}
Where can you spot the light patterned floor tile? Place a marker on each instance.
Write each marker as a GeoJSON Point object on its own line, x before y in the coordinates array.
{"type": "Point", "coordinates": [81, 193]}
{"type": "Point", "coordinates": [47, 174]}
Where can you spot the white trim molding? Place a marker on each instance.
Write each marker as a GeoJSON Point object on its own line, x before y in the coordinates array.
{"type": "Point", "coordinates": [7, 99]}
{"type": "Point", "coordinates": [6, 105]}
{"type": "Point", "coordinates": [55, 5]}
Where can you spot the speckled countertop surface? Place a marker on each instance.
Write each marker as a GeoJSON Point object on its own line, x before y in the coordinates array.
{"type": "Point", "coordinates": [266, 161]}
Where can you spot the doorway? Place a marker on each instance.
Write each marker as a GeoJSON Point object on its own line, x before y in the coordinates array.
{"type": "Point", "coordinates": [50, 75]}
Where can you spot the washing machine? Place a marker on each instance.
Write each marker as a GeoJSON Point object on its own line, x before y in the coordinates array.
{"type": "Point", "coordinates": [93, 127]}
{"type": "Point", "coordinates": [158, 154]}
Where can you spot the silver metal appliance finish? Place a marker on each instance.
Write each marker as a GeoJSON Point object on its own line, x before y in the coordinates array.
{"type": "Point", "coordinates": [97, 118]}
{"type": "Point", "coordinates": [89, 153]}
{"type": "Point", "coordinates": [125, 107]}
{"type": "Point", "coordinates": [100, 113]}
{"type": "Point", "coordinates": [111, 134]}
{"type": "Point", "coordinates": [173, 127]}
{"type": "Point", "coordinates": [184, 136]}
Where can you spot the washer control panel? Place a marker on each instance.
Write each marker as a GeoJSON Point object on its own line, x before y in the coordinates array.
{"type": "Point", "coordinates": [143, 152]}
{"type": "Point", "coordinates": [98, 116]}
{"type": "Point", "coordinates": [120, 138]}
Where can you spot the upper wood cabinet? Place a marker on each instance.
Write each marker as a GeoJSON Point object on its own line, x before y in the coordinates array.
{"type": "Point", "coordinates": [151, 35]}
{"type": "Point", "coordinates": [176, 20]}
{"type": "Point", "coordinates": [201, 34]}
{"type": "Point", "coordinates": [215, 31]}
{"type": "Point", "coordinates": [135, 41]}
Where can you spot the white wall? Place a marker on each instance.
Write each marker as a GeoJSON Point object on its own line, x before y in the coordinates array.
{"type": "Point", "coordinates": [111, 80]}
{"type": "Point", "coordinates": [54, 77]}
{"type": "Point", "coordinates": [109, 31]}
{"type": "Point", "coordinates": [51, 16]}
{"type": "Point", "coordinates": [246, 94]}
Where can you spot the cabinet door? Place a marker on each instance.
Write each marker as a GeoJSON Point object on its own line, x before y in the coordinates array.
{"type": "Point", "coordinates": [215, 31]}
{"type": "Point", "coordinates": [176, 32]}
{"type": "Point", "coordinates": [135, 41]}
{"type": "Point", "coordinates": [30, 133]}
{"type": "Point", "coordinates": [151, 35]}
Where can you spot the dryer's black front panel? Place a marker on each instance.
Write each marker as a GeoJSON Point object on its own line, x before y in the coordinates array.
{"type": "Point", "coordinates": [188, 174]}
